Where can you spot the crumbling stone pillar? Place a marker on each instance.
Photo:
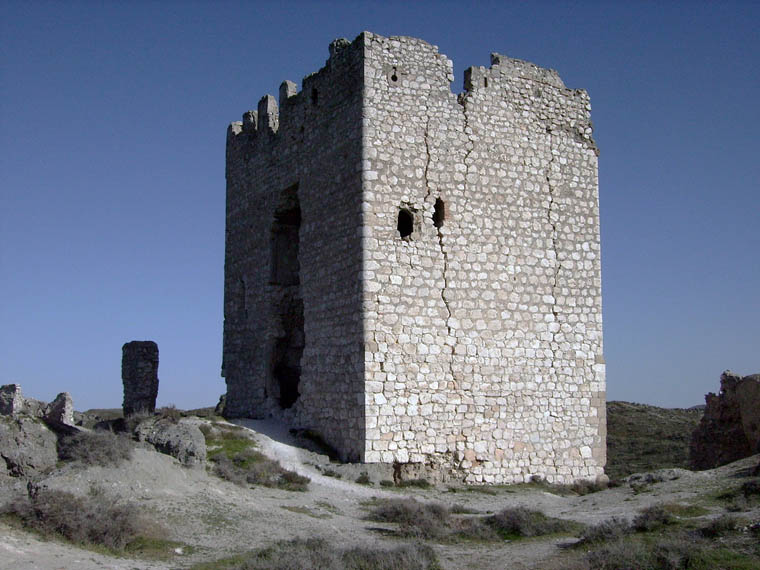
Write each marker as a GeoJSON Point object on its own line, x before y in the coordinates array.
{"type": "Point", "coordinates": [139, 373]}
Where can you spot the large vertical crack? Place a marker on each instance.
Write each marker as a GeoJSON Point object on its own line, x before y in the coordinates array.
{"type": "Point", "coordinates": [550, 214]}
{"type": "Point", "coordinates": [444, 253]}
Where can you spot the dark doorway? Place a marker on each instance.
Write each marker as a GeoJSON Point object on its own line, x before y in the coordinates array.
{"type": "Point", "coordinates": [286, 295]}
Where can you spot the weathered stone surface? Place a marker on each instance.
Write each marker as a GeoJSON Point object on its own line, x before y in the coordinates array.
{"type": "Point", "coordinates": [730, 427]}
{"type": "Point", "coordinates": [11, 400]}
{"type": "Point", "coordinates": [27, 446]}
{"type": "Point", "coordinates": [139, 373]}
{"type": "Point", "coordinates": [61, 410]}
{"type": "Point", "coordinates": [182, 440]}
{"type": "Point", "coordinates": [416, 274]}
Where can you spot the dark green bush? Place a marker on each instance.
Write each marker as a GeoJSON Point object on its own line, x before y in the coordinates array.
{"type": "Point", "coordinates": [522, 522]}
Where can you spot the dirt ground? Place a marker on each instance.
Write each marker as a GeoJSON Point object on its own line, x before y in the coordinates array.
{"type": "Point", "coordinates": [217, 518]}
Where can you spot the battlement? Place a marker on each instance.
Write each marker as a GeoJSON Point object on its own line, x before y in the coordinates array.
{"type": "Point", "coordinates": [424, 71]}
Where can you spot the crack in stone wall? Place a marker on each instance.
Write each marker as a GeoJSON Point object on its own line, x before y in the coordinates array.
{"type": "Point", "coordinates": [550, 215]}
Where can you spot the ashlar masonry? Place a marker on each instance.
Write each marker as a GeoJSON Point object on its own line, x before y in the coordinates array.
{"type": "Point", "coordinates": [415, 275]}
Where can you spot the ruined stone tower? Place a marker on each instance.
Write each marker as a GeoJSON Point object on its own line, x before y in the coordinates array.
{"type": "Point", "coordinates": [414, 274]}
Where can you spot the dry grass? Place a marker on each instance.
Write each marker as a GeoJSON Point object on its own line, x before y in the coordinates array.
{"type": "Point", "coordinates": [91, 520]}
{"type": "Point", "coordinates": [318, 554]}
{"type": "Point", "coordinates": [102, 448]}
{"type": "Point", "coordinates": [434, 521]}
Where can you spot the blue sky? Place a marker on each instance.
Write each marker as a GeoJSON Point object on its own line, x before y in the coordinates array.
{"type": "Point", "coordinates": [112, 130]}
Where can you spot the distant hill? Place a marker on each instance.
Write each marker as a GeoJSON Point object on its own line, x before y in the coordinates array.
{"type": "Point", "coordinates": [645, 438]}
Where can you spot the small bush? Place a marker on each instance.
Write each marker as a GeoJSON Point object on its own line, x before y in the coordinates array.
{"type": "Point", "coordinates": [292, 481]}
{"type": "Point", "coordinates": [420, 483]}
{"type": "Point", "coordinates": [102, 448]}
{"type": "Point", "coordinates": [434, 521]}
{"type": "Point", "coordinates": [318, 554]}
{"type": "Point", "coordinates": [584, 487]}
{"type": "Point", "coordinates": [363, 479]}
{"type": "Point", "coordinates": [407, 557]}
{"type": "Point", "coordinates": [422, 520]}
{"type": "Point", "coordinates": [331, 473]}
{"type": "Point", "coordinates": [169, 413]}
{"type": "Point", "coordinates": [387, 483]}
{"type": "Point", "coordinates": [652, 518]}
{"type": "Point", "coordinates": [606, 531]}
{"type": "Point", "coordinates": [522, 522]}
{"type": "Point", "coordinates": [83, 520]}
{"type": "Point", "coordinates": [720, 526]}
{"type": "Point", "coordinates": [622, 555]}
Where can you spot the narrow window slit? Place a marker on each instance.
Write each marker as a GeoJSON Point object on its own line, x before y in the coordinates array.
{"type": "Point", "coordinates": [439, 213]}
{"type": "Point", "coordinates": [405, 225]}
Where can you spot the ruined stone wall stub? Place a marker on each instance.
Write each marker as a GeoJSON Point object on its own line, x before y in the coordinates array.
{"type": "Point", "coordinates": [476, 263]}
{"type": "Point", "coordinates": [139, 374]}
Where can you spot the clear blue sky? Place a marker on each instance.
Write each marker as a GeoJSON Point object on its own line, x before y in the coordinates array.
{"type": "Point", "coordinates": [112, 133]}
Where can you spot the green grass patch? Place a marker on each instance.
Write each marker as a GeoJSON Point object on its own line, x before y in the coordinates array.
{"type": "Point", "coordinates": [232, 456]}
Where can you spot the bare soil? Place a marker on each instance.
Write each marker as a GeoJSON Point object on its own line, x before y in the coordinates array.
{"type": "Point", "coordinates": [215, 518]}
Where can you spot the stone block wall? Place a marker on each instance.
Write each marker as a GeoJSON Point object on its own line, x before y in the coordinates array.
{"type": "Point", "coordinates": [292, 330]}
{"type": "Point", "coordinates": [450, 270]}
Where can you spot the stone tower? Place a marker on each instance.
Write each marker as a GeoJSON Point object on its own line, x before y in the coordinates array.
{"type": "Point", "coordinates": [415, 274]}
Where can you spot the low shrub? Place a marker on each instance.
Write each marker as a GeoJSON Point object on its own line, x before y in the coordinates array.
{"type": "Point", "coordinates": [720, 526]}
{"type": "Point", "coordinates": [605, 531]}
{"type": "Point", "coordinates": [331, 473]}
{"type": "Point", "coordinates": [94, 519]}
{"type": "Point", "coordinates": [434, 521]}
{"type": "Point", "coordinates": [169, 413]}
{"type": "Point", "coordinates": [522, 522]}
{"type": "Point", "coordinates": [584, 487]}
{"type": "Point", "coordinates": [363, 479]}
{"type": "Point", "coordinates": [419, 483]}
{"type": "Point", "coordinates": [421, 520]}
{"type": "Point", "coordinates": [102, 448]}
{"type": "Point", "coordinates": [652, 518]}
{"type": "Point", "coordinates": [318, 554]}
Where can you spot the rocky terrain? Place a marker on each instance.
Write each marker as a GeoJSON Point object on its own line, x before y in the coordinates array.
{"type": "Point", "coordinates": [218, 491]}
